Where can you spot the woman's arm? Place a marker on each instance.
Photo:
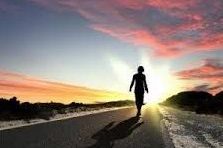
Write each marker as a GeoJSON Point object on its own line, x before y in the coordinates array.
{"type": "Point", "coordinates": [132, 83]}
{"type": "Point", "coordinates": [145, 85]}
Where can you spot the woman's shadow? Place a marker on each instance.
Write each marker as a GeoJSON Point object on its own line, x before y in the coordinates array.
{"type": "Point", "coordinates": [110, 133]}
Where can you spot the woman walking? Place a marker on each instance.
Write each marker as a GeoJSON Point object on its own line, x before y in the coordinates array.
{"type": "Point", "coordinates": [139, 79]}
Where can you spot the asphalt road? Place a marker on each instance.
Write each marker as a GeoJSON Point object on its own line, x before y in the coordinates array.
{"type": "Point", "coordinates": [119, 128]}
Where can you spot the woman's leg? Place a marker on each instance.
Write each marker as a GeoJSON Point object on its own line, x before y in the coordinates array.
{"type": "Point", "coordinates": [139, 102]}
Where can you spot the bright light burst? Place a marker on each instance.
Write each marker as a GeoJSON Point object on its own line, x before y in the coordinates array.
{"type": "Point", "coordinates": [161, 82]}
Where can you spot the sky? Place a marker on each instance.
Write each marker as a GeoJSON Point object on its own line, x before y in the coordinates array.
{"type": "Point", "coordinates": [88, 50]}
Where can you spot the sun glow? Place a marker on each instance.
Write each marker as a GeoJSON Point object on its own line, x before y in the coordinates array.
{"type": "Point", "coordinates": [161, 82]}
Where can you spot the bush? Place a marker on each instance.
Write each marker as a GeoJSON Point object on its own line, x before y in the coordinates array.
{"type": "Point", "coordinates": [198, 101]}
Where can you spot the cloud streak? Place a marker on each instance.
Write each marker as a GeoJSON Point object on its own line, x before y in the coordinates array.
{"type": "Point", "coordinates": [208, 88]}
{"type": "Point", "coordinates": [36, 90]}
{"type": "Point", "coordinates": [171, 28]}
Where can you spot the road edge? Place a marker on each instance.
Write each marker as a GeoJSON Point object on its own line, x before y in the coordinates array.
{"type": "Point", "coordinates": [84, 113]}
{"type": "Point", "coordinates": [165, 133]}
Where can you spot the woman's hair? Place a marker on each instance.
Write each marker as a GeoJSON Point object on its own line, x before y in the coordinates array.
{"type": "Point", "coordinates": [140, 69]}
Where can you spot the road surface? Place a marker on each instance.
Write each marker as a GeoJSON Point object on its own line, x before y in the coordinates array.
{"type": "Point", "coordinates": [119, 128]}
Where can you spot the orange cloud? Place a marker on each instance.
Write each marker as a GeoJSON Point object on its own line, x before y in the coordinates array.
{"type": "Point", "coordinates": [171, 28]}
{"type": "Point", "coordinates": [36, 90]}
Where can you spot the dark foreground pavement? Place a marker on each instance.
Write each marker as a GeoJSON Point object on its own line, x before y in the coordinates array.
{"type": "Point", "coordinates": [118, 128]}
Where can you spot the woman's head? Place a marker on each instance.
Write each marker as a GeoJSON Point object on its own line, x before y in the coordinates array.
{"type": "Point", "coordinates": [140, 69]}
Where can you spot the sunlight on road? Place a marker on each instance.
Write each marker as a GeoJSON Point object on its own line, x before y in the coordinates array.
{"type": "Point", "coordinates": [151, 113]}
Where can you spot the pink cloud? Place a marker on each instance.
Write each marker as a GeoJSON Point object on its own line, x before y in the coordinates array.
{"type": "Point", "coordinates": [6, 6]}
{"type": "Point", "coordinates": [211, 73]}
{"type": "Point", "coordinates": [171, 28]}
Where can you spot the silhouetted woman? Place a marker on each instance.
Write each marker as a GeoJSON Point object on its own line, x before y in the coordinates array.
{"type": "Point", "coordinates": [140, 86]}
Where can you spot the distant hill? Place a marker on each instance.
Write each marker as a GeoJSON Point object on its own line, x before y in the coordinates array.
{"type": "Point", "coordinates": [198, 101]}
{"type": "Point", "coordinates": [13, 109]}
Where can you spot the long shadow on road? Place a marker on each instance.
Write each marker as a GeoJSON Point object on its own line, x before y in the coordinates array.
{"type": "Point", "coordinates": [110, 133]}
